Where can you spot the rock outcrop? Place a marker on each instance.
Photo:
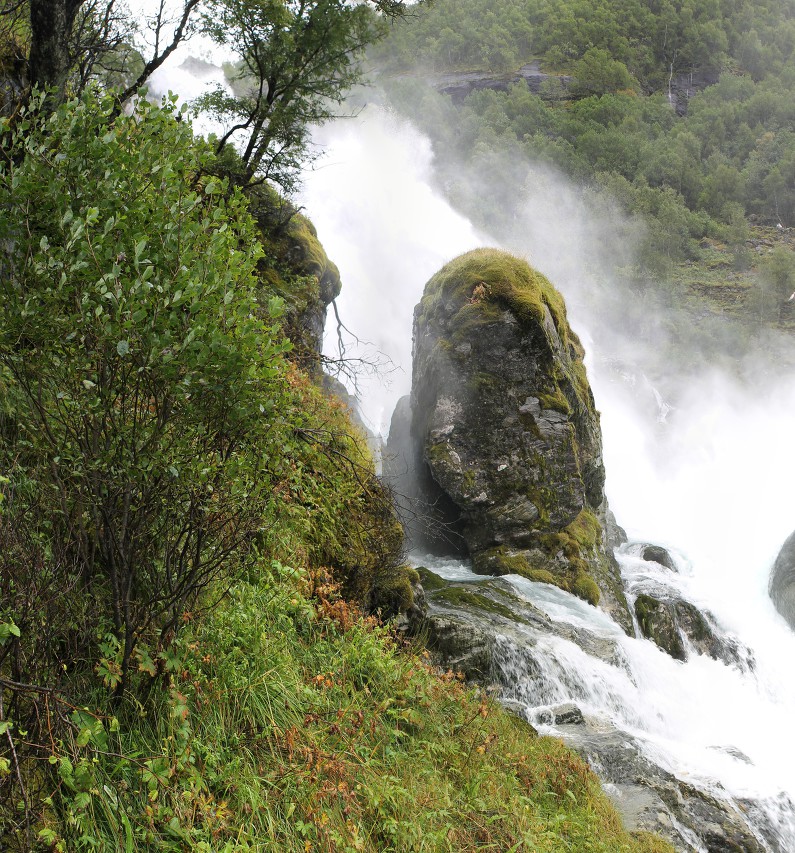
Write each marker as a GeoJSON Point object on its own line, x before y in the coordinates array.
{"type": "Point", "coordinates": [782, 581]}
{"type": "Point", "coordinates": [508, 645]}
{"type": "Point", "coordinates": [296, 268]}
{"type": "Point", "coordinates": [460, 84]}
{"type": "Point", "coordinates": [504, 419]}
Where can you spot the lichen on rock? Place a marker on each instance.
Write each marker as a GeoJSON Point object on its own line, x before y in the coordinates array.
{"type": "Point", "coordinates": [505, 419]}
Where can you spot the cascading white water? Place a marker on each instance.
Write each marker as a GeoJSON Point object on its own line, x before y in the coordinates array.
{"type": "Point", "coordinates": [374, 185]}
{"type": "Point", "coordinates": [714, 485]}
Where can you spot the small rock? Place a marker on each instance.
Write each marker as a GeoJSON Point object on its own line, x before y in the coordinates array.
{"type": "Point", "coordinates": [658, 554]}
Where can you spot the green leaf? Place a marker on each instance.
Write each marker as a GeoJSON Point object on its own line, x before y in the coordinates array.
{"type": "Point", "coordinates": [123, 348]}
{"type": "Point", "coordinates": [8, 630]}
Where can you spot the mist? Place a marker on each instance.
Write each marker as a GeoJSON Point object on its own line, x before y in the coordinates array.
{"type": "Point", "coordinates": [370, 196]}
{"type": "Point", "coordinates": [703, 467]}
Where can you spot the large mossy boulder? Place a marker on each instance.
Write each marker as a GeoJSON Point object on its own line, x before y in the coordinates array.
{"type": "Point", "coordinates": [504, 419]}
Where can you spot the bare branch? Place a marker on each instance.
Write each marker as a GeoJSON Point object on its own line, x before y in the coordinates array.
{"type": "Point", "coordinates": [159, 57]}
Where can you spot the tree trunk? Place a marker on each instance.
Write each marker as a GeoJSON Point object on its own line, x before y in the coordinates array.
{"type": "Point", "coordinates": [51, 24]}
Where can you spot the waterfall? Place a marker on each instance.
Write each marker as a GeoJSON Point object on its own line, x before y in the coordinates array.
{"type": "Point", "coordinates": [709, 479]}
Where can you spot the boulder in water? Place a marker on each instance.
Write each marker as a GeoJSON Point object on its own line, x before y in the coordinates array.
{"type": "Point", "coordinates": [678, 627]}
{"type": "Point", "coordinates": [508, 435]}
{"type": "Point", "coordinates": [658, 554]}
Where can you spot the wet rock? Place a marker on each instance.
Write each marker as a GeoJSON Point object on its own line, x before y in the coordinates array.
{"type": "Point", "coordinates": [650, 798]}
{"type": "Point", "coordinates": [658, 554]}
{"type": "Point", "coordinates": [616, 535]}
{"type": "Point", "coordinates": [679, 628]}
{"type": "Point", "coordinates": [430, 519]}
{"type": "Point", "coordinates": [561, 715]}
{"type": "Point", "coordinates": [460, 646]}
{"type": "Point", "coordinates": [782, 581]}
{"type": "Point", "coordinates": [508, 432]}
{"type": "Point", "coordinates": [503, 643]}
{"type": "Point", "coordinates": [657, 622]}
{"type": "Point", "coordinates": [467, 624]}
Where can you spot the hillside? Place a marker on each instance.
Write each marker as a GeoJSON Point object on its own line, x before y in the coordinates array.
{"type": "Point", "coordinates": [677, 115]}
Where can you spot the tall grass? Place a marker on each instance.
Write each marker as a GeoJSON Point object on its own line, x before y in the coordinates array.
{"type": "Point", "coordinates": [288, 724]}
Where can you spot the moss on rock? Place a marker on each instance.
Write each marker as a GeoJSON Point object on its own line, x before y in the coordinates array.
{"type": "Point", "coordinates": [296, 268]}
{"type": "Point", "coordinates": [460, 596]}
{"type": "Point", "coordinates": [487, 279]}
{"type": "Point", "coordinates": [393, 591]}
{"type": "Point", "coordinates": [501, 561]}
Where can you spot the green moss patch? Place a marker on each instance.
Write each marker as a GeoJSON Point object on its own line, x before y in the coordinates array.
{"type": "Point", "coordinates": [477, 288]}
{"type": "Point", "coordinates": [430, 580]}
{"type": "Point", "coordinates": [484, 281]}
{"type": "Point", "coordinates": [460, 596]}
{"type": "Point", "coordinates": [501, 561]}
{"type": "Point", "coordinates": [578, 542]}
{"type": "Point", "coordinates": [393, 591]}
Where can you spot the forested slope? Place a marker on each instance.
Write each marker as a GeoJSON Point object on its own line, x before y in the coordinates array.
{"type": "Point", "coordinates": [682, 113]}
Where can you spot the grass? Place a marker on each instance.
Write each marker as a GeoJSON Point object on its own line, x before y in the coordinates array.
{"type": "Point", "coordinates": [290, 724]}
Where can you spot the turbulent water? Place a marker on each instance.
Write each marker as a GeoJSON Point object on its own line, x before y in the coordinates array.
{"type": "Point", "coordinates": [710, 479]}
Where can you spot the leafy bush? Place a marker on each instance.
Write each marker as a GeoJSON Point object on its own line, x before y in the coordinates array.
{"type": "Point", "coordinates": [140, 385]}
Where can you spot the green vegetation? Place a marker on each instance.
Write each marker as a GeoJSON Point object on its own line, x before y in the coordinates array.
{"type": "Point", "coordinates": [650, 40]}
{"type": "Point", "coordinates": [190, 531]}
{"type": "Point", "coordinates": [488, 277]}
{"type": "Point", "coordinates": [675, 119]}
{"type": "Point", "coordinates": [289, 724]}
{"type": "Point", "coordinates": [296, 63]}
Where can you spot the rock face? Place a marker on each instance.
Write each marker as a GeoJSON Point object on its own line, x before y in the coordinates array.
{"type": "Point", "coordinates": [649, 798]}
{"type": "Point", "coordinates": [506, 426]}
{"type": "Point", "coordinates": [458, 85]}
{"type": "Point", "coordinates": [782, 581]}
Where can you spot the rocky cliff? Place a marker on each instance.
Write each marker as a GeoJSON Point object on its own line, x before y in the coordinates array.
{"type": "Point", "coordinates": [504, 425]}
